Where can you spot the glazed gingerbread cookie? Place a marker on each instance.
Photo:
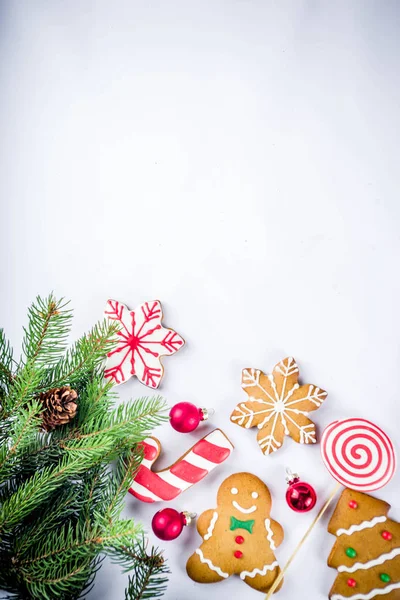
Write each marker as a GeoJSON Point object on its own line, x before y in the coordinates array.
{"type": "Point", "coordinates": [367, 550]}
{"type": "Point", "coordinates": [278, 405]}
{"type": "Point", "coordinates": [239, 537]}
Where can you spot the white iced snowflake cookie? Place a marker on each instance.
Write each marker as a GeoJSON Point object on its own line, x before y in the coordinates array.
{"type": "Point", "coordinates": [142, 342]}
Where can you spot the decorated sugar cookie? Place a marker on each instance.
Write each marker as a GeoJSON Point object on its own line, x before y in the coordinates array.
{"type": "Point", "coordinates": [366, 553]}
{"type": "Point", "coordinates": [278, 405]}
{"type": "Point", "coordinates": [150, 486]}
{"type": "Point", "coordinates": [142, 342]}
{"type": "Point", "coordinates": [239, 536]}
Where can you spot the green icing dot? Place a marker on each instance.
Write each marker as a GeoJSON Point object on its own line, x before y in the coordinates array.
{"type": "Point", "coordinates": [385, 577]}
{"type": "Point", "coordinates": [351, 553]}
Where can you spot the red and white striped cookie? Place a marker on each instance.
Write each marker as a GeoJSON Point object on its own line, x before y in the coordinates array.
{"type": "Point", "coordinates": [193, 466]}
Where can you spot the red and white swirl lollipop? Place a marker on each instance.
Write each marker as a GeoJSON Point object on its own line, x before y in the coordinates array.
{"type": "Point", "coordinates": [358, 454]}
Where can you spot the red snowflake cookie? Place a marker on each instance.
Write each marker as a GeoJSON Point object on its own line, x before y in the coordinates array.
{"type": "Point", "coordinates": [142, 342]}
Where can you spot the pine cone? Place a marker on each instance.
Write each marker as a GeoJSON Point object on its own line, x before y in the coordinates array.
{"type": "Point", "coordinates": [60, 406]}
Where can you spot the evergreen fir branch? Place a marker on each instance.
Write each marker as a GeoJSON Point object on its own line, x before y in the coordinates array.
{"type": "Point", "coordinates": [6, 362]}
{"type": "Point", "coordinates": [85, 356]}
{"type": "Point", "coordinates": [8, 488]}
{"type": "Point", "coordinates": [46, 335]}
{"type": "Point", "coordinates": [134, 419]}
{"type": "Point", "coordinates": [150, 576]}
{"type": "Point", "coordinates": [101, 493]}
{"type": "Point", "coordinates": [120, 532]}
{"type": "Point", "coordinates": [65, 544]}
{"type": "Point", "coordinates": [44, 342]}
{"type": "Point", "coordinates": [25, 386]}
{"type": "Point", "coordinates": [93, 452]}
{"type": "Point", "coordinates": [24, 425]}
{"type": "Point", "coordinates": [131, 422]}
{"type": "Point", "coordinates": [95, 400]}
{"type": "Point", "coordinates": [93, 487]}
{"type": "Point", "coordinates": [60, 502]}
{"type": "Point", "coordinates": [42, 451]}
{"type": "Point", "coordinates": [35, 490]}
{"type": "Point", "coordinates": [5, 431]}
{"type": "Point", "coordinates": [120, 482]}
{"type": "Point", "coordinates": [59, 546]}
{"type": "Point", "coordinates": [68, 582]}
{"type": "Point", "coordinates": [130, 556]}
{"type": "Point", "coordinates": [59, 510]}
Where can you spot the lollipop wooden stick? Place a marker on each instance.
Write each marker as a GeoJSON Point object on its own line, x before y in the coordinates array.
{"type": "Point", "coordinates": [359, 455]}
{"type": "Point", "coordinates": [303, 539]}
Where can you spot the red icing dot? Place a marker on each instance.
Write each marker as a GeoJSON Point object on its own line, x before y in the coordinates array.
{"type": "Point", "coordinates": [239, 539]}
{"type": "Point", "coordinates": [351, 582]}
{"type": "Point", "coordinates": [387, 535]}
{"type": "Point", "coordinates": [353, 504]}
{"type": "Point", "coordinates": [238, 554]}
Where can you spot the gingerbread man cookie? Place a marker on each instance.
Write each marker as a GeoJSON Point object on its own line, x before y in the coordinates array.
{"type": "Point", "coordinates": [239, 537]}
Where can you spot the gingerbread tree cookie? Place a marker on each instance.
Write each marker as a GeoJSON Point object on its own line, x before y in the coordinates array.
{"type": "Point", "coordinates": [277, 405]}
{"type": "Point", "coordinates": [239, 537]}
{"type": "Point", "coordinates": [367, 550]}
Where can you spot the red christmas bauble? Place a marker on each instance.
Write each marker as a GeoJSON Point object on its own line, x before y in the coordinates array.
{"type": "Point", "coordinates": [168, 523]}
{"type": "Point", "coordinates": [300, 496]}
{"type": "Point", "coordinates": [185, 417]}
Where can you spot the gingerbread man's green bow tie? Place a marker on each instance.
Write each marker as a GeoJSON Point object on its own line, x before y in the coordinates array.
{"type": "Point", "coordinates": [238, 524]}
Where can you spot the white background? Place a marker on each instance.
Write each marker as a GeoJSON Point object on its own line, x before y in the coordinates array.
{"type": "Point", "coordinates": [239, 161]}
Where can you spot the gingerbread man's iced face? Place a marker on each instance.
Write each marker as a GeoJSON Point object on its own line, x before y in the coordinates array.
{"type": "Point", "coordinates": [251, 498]}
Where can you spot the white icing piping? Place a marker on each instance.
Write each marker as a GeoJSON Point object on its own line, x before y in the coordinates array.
{"type": "Point", "coordinates": [268, 443]}
{"type": "Point", "coordinates": [174, 480]}
{"type": "Point", "coordinates": [372, 563]}
{"type": "Point", "coordinates": [267, 523]}
{"type": "Point", "coordinates": [211, 526]}
{"type": "Point", "coordinates": [246, 511]}
{"type": "Point", "coordinates": [208, 562]}
{"type": "Point", "coordinates": [143, 491]}
{"type": "Point", "coordinates": [289, 369]}
{"type": "Point", "coordinates": [255, 572]}
{"type": "Point", "coordinates": [219, 439]}
{"type": "Point", "coordinates": [370, 595]}
{"type": "Point", "coordinates": [361, 526]}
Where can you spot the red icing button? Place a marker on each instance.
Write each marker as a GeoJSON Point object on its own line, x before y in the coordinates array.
{"type": "Point", "coordinates": [239, 539]}
{"type": "Point", "coordinates": [238, 554]}
{"type": "Point", "coordinates": [387, 535]}
{"type": "Point", "coordinates": [351, 582]}
{"type": "Point", "coordinates": [353, 504]}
